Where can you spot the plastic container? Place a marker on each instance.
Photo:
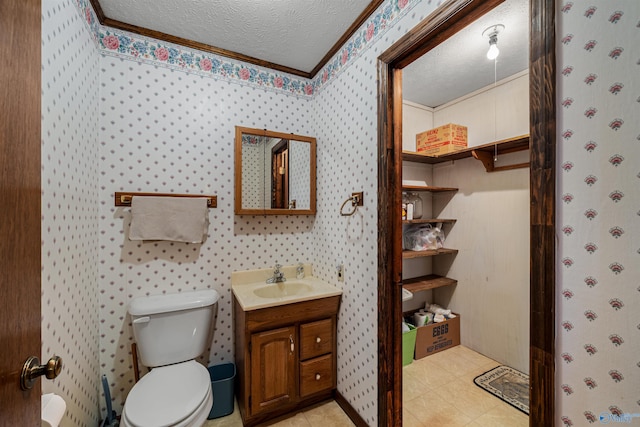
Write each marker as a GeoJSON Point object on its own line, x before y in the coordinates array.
{"type": "Point", "coordinates": [222, 378]}
{"type": "Point", "coordinates": [408, 345]}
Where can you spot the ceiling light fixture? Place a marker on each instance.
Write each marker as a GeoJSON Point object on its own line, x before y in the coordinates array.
{"type": "Point", "coordinates": [492, 33]}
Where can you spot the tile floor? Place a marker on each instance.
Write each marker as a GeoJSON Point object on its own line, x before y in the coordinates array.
{"type": "Point", "coordinates": [437, 391]}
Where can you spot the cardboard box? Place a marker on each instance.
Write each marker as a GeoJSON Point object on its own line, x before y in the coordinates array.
{"type": "Point", "coordinates": [442, 140]}
{"type": "Point", "coordinates": [436, 337]}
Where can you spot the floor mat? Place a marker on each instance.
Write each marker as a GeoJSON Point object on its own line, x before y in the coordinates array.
{"type": "Point", "coordinates": [508, 384]}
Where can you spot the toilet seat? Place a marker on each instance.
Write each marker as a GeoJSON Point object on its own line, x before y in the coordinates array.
{"type": "Point", "coordinates": [175, 395]}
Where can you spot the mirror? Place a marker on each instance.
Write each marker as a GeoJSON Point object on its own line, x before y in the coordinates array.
{"type": "Point", "coordinates": [275, 173]}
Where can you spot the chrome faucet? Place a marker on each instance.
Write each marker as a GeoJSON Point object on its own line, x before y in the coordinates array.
{"type": "Point", "coordinates": [278, 276]}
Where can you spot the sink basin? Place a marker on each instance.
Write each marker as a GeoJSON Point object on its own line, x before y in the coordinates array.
{"type": "Point", "coordinates": [251, 291]}
{"type": "Point", "coordinates": [279, 290]}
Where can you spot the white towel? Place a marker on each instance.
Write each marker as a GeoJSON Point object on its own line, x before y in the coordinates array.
{"type": "Point", "coordinates": [179, 219]}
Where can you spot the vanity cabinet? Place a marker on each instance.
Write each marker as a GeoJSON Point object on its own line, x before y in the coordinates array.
{"type": "Point", "coordinates": [285, 357]}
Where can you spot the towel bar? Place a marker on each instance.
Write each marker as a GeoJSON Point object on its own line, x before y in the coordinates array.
{"type": "Point", "coordinates": [124, 199]}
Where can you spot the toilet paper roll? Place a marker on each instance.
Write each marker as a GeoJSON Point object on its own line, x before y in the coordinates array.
{"type": "Point", "coordinates": [420, 319]}
{"type": "Point", "coordinates": [53, 408]}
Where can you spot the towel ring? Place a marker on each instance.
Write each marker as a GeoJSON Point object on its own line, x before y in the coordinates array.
{"type": "Point", "coordinates": [354, 204]}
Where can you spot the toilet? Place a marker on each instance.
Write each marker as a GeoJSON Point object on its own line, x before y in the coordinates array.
{"type": "Point", "coordinates": [171, 331]}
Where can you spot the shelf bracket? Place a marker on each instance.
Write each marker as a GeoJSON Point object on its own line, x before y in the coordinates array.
{"type": "Point", "coordinates": [487, 160]}
{"type": "Point", "coordinates": [485, 157]}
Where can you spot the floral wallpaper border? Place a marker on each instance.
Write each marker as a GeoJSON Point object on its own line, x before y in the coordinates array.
{"type": "Point", "coordinates": [128, 46]}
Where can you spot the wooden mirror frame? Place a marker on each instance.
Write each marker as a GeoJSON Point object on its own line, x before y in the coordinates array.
{"type": "Point", "coordinates": [238, 209]}
{"type": "Point", "coordinates": [437, 27]}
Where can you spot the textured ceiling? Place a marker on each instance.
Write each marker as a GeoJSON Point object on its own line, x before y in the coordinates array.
{"type": "Point", "coordinates": [293, 33]}
{"type": "Point", "coordinates": [460, 66]}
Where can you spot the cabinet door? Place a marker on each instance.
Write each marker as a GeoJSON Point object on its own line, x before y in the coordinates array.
{"type": "Point", "coordinates": [273, 368]}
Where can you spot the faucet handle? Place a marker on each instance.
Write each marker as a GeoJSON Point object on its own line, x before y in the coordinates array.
{"type": "Point", "coordinates": [278, 266]}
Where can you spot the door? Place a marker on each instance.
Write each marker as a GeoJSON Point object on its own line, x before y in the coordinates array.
{"type": "Point", "coordinates": [280, 175]}
{"type": "Point", "coordinates": [273, 369]}
{"type": "Point", "coordinates": [20, 207]}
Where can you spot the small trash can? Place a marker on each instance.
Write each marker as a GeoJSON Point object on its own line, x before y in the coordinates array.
{"type": "Point", "coordinates": [408, 344]}
{"type": "Point", "coordinates": [222, 378]}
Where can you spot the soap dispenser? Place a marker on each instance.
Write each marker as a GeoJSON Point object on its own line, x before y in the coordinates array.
{"type": "Point", "coordinates": [300, 271]}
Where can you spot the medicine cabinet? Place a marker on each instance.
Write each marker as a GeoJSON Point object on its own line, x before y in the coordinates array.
{"type": "Point", "coordinates": [275, 173]}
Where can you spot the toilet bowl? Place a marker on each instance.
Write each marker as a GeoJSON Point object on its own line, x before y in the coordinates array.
{"type": "Point", "coordinates": [171, 331]}
{"type": "Point", "coordinates": [177, 395]}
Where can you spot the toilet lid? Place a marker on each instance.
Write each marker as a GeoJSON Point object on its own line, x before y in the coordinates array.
{"type": "Point", "coordinates": [168, 394]}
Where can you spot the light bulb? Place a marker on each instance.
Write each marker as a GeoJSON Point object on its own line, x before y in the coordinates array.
{"type": "Point", "coordinates": [493, 51]}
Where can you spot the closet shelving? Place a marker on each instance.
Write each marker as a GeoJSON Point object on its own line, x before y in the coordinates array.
{"type": "Point", "coordinates": [430, 281]}
{"type": "Point", "coordinates": [485, 153]}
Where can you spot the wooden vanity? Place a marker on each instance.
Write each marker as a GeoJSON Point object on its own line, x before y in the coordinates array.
{"type": "Point", "coordinates": [285, 357]}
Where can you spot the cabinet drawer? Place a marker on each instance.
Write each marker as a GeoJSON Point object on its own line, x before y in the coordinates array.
{"type": "Point", "coordinates": [316, 375]}
{"type": "Point", "coordinates": [316, 338]}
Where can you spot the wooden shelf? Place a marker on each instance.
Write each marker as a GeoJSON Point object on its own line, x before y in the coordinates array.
{"type": "Point", "coordinates": [484, 153]}
{"type": "Point", "coordinates": [424, 283]}
{"type": "Point", "coordinates": [419, 254]}
{"type": "Point", "coordinates": [427, 188]}
{"type": "Point", "coordinates": [428, 221]}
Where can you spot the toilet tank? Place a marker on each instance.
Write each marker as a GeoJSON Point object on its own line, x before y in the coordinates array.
{"type": "Point", "coordinates": [172, 328]}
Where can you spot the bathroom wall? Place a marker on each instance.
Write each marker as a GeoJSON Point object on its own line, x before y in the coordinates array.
{"type": "Point", "coordinates": [163, 130]}
{"type": "Point", "coordinates": [598, 208]}
{"type": "Point", "coordinates": [70, 252]}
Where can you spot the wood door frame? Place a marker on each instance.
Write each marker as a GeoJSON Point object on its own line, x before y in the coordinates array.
{"type": "Point", "coordinates": [437, 27]}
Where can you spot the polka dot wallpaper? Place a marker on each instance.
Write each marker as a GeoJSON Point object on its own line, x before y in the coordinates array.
{"type": "Point", "coordinates": [114, 122]}
{"type": "Point", "coordinates": [70, 252]}
{"type": "Point", "coordinates": [169, 131]}
{"type": "Point", "coordinates": [254, 178]}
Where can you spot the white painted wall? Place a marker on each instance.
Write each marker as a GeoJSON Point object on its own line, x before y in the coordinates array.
{"type": "Point", "coordinates": [509, 99]}
{"type": "Point", "coordinates": [492, 265]}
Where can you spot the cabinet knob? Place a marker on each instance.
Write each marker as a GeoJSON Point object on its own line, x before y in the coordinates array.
{"type": "Point", "coordinates": [318, 339]}
{"type": "Point", "coordinates": [317, 377]}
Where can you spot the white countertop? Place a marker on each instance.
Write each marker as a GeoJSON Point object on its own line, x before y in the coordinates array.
{"type": "Point", "coordinates": [244, 283]}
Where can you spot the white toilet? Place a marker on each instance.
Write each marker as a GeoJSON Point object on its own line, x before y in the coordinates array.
{"type": "Point", "coordinates": [171, 331]}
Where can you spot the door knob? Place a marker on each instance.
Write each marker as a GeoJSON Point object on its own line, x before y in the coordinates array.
{"type": "Point", "coordinates": [32, 369]}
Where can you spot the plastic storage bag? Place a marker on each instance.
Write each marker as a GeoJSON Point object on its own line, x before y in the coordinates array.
{"type": "Point", "coordinates": [423, 237]}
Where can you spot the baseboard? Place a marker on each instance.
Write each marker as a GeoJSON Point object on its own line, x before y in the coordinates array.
{"type": "Point", "coordinates": [348, 409]}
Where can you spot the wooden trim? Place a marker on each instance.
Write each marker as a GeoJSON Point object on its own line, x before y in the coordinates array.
{"type": "Point", "coordinates": [389, 246]}
{"type": "Point", "coordinates": [158, 35]}
{"type": "Point", "coordinates": [98, 10]}
{"type": "Point", "coordinates": [349, 410]}
{"type": "Point", "coordinates": [366, 13]}
{"type": "Point", "coordinates": [542, 79]}
{"type": "Point", "coordinates": [440, 25]}
{"type": "Point", "coordinates": [238, 209]}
